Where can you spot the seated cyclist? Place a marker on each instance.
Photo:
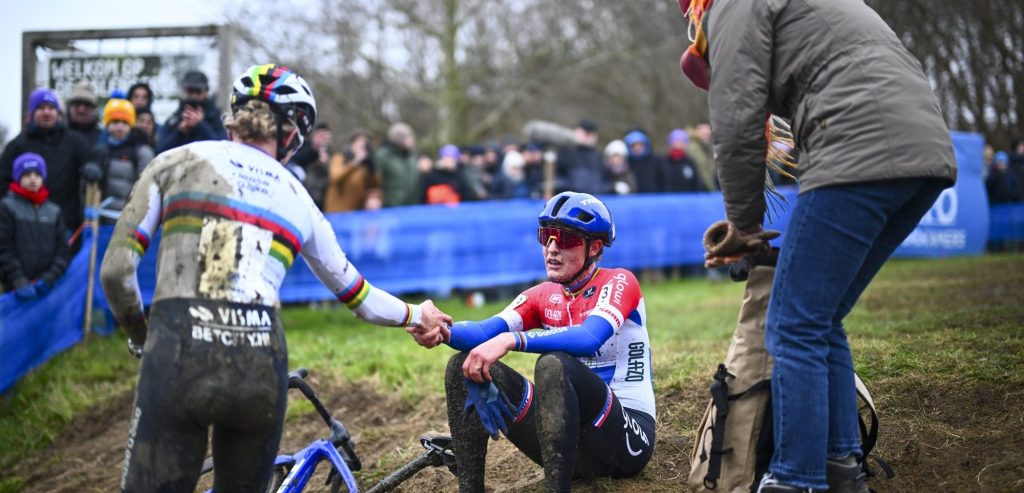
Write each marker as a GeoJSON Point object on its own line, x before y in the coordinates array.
{"type": "Point", "coordinates": [233, 219]}
{"type": "Point", "coordinates": [590, 411]}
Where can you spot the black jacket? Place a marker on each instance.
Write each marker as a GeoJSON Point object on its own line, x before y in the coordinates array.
{"type": "Point", "coordinates": [65, 155]}
{"type": "Point", "coordinates": [33, 241]}
{"type": "Point", "coordinates": [89, 132]}
{"type": "Point", "coordinates": [210, 128]}
{"type": "Point", "coordinates": [580, 169]}
{"type": "Point", "coordinates": [651, 173]}
{"type": "Point", "coordinates": [682, 175]}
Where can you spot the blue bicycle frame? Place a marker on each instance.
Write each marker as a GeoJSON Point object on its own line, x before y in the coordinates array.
{"type": "Point", "coordinates": [303, 464]}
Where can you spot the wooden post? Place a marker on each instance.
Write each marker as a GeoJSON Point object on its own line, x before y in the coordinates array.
{"type": "Point", "coordinates": [92, 201]}
{"type": "Point", "coordinates": [549, 174]}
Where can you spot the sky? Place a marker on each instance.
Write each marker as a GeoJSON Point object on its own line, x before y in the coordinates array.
{"type": "Point", "coordinates": [53, 15]}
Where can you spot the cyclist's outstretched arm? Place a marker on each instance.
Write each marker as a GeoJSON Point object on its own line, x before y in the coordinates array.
{"type": "Point", "coordinates": [332, 267]}
{"type": "Point", "coordinates": [139, 221]}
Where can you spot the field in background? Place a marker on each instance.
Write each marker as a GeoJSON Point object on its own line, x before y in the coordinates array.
{"type": "Point", "coordinates": [940, 343]}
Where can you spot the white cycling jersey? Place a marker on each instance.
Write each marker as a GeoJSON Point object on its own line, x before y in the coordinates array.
{"type": "Point", "coordinates": [233, 220]}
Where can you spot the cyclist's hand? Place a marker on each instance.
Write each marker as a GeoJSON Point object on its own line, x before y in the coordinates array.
{"type": "Point", "coordinates": [431, 318]}
{"type": "Point", "coordinates": [430, 338]}
{"type": "Point", "coordinates": [478, 364]}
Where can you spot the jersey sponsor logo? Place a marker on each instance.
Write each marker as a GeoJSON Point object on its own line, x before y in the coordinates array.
{"type": "Point", "coordinates": [611, 313]}
{"type": "Point", "coordinates": [132, 432]}
{"type": "Point", "coordinates": [631, 425]}
{"type": "Point", "coordinates": [555, 299]}
{"type": "Point", "coordinates": [245, 318]}
{"type": "Point", "coordinates": [553, 314]}
{"type": "Point", "coordinates": [635, 363]}
{"type": "Point", "coordinates": [589, 292]}
{"type": "Point", "coordinates": [201, 313]}
{"type": "Point", "coordinates": [535, 334]}
{"type": "Point", "coordinates": [230, 338]}
{"type": "Point", "coordinates": [518, 301]}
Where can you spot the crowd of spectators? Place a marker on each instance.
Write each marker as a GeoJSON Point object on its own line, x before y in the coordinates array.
{"type": "Point", "coordinates": [396, 173]}
{"type": "Point", "coordinates": [63, 148]}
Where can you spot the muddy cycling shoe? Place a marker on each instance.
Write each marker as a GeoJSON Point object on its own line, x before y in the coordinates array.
{"type": "Point", "coordinates": [845, 476]}
{"type": "Point", "coordinates": [771, 485]}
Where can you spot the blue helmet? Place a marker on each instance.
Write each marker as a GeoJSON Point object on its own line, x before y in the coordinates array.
{"type": "Point", "coordinates": [580, 212]}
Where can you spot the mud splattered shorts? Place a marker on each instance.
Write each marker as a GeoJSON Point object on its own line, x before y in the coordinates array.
{"type": "Point", "coordinates": [207, 364]}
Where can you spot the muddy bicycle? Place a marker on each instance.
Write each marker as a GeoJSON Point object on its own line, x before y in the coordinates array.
{"type": "Point", "coordinates": [292, 472]}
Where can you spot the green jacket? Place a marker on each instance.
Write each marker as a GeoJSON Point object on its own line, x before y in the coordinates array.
{"type": "Point", "coordinates": [399, 178]}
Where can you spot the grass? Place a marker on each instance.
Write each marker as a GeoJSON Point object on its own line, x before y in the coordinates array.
{"type": "Point", "coordinates": [959, 321]}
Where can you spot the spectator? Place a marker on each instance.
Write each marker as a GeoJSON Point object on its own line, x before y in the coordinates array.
{"type": "Point", "coordinates": [579, 166]}
{"type": "Point", "coordinates": [424, 164]}
{"type": "Point", "coordinates": [622, 180]}
{"type": "Point", "coordinates": [1002, 184]}
{"type": "Point", "coordinates": [352, 180]}
{"type": "Point", "coordinates": [1016, 161]}
{"type": "Point", "coordinates": [66, 155]}
{"type": "Point", "coordinates": [396, 163]}
{"type": "Point", "coordinates": [314, 157]}
{"type": "Point", "coordinates": [82, 119]}
{"type": "Point", "coordinates": [145, 126]}
{"type": "Point", "coordinates": [534, 156]}
{"type": "Point", "coordinates": [140, 95]}
{"type": "Point", "coordinates": [474, 176]}
{"type": "Point", "coordinates": [33, 239]}
{"type": "Point", "coordinates": [511, 183]}
{"type": "Point", "coordinates": [682, 173]}
{"type": "Point", "coordinates": [702, 155]}
{"type": "Point", "coordinates": [196, 118]}
{"type": "Point", "coordinates": [121, 154]}
{"type": "Point", "coordinates": [442, 185]}
{"type": "Point", "coordinates": [650, 170]}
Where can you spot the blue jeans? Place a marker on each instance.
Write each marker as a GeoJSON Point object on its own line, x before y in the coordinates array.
{"type": "Point", "coordinates": [837, 240]}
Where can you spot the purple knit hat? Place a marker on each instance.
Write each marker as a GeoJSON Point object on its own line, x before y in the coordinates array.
{"type": "Point", "coordinates": [29, 161]}
{"type": "Point", "coordinates": [449, 150]}
{"type": "Point", "coordinates": [43, 96]}
{"type": "Point", "coordinates": [678, 135]}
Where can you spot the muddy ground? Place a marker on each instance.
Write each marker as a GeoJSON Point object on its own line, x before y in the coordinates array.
{"type": "Point", "coordinates": [936, 438]}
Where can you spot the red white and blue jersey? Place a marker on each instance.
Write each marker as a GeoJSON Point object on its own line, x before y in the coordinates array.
{"type": "Point", "coordinates": [624, 360]}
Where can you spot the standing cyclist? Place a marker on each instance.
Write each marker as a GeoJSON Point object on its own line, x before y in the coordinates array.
{"type": "Point", "coordinates": [591, 409]}
{"type": "Point", "coordinates": [233, 221]}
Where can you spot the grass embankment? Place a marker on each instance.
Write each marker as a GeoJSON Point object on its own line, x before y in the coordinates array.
{"type": "Point", "coordinates": [934, 339]}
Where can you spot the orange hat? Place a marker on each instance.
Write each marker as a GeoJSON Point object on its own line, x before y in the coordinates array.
{"type": "Point", "coordinates": [119, 110]}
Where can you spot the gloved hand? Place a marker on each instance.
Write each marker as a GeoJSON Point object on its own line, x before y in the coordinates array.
{"type": "Point", "coordinates": [92, 172]}
{"type": "Point", "coordinates": [24, 290]}
{"type": "Point", "coordinates": [41, 287]}
{"type": "Point", "coordinates": [724, 243]}
{"type": "Point", "coordinates": [491, 405]}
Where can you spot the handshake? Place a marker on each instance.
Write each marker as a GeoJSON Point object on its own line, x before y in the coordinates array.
{"type": "Point", "coordinates": [725, 244]}
{"type": "Point", "coordinates": [434, 328]}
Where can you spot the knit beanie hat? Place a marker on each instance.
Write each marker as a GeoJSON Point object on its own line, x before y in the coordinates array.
{"type": "Point", "coordinates": [119, 110]}
{"type": "Point", "coordinates": [678, 135]}
{"type": "Point", "coordinates": [29, 161]}
{"type": "Point", "coordinates": [449, 150]}
{"type": "Point", "coordinates": [43, 96]}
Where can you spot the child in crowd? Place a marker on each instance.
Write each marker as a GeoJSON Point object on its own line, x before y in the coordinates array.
{"type": "Point", "coordinates": [33, 241]}
{"type": "Point", "coordinates": [122, 153]}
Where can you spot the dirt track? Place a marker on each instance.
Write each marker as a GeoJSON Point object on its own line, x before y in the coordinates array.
{"type": "Point", "coordinates": [942, 444]}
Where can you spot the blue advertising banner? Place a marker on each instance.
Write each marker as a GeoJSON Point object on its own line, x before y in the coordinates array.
{"type": "Point", "coordinates": [958, 223]}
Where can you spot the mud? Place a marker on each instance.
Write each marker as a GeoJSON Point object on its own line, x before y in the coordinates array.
{"type": "Point", "coordinates": [932, 439]}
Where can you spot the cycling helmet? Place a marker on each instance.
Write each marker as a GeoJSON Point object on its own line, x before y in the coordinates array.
{"type": "Point", "coordinates": [287, 93]}
{"type": "Point", "coordinates": [580, 212]}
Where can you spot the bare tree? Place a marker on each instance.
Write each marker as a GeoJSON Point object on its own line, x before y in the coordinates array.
{"type": "Point", "coordinates": [973, 54]}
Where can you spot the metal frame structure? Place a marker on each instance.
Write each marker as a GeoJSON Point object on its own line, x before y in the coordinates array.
{"type": "Point", "coordinates": [30, 40]}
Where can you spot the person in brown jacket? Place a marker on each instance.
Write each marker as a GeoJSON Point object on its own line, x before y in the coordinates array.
{"type": "Point", "coordinates": [352, 182]}
{"type": "Point", "coordinates": [874, 154]}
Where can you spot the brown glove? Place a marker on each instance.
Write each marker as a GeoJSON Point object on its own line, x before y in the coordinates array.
{"type": "Point", "coordinates": [725, 244]}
